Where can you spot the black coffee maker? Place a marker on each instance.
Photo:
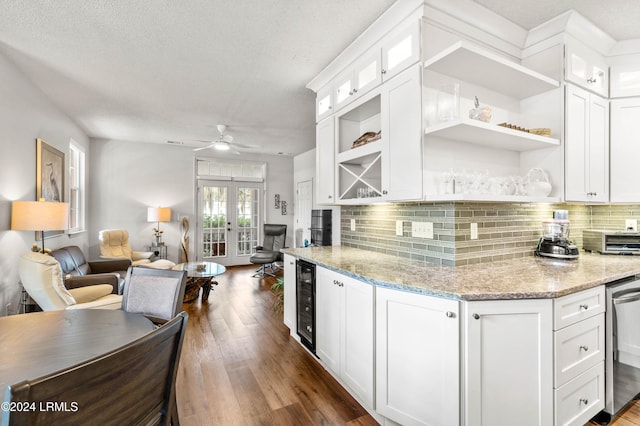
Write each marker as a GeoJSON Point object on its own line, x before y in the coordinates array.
{"type": "Point", "coordinates": [555, 240]}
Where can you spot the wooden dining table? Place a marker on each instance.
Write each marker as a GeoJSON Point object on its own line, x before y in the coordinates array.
{"type": "Point", "coordinates": [40, 343]}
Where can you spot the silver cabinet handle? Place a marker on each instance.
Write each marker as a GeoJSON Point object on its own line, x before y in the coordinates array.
{"type": "Point", "coordinates": [584, 306]}
{"type": "Point", "coordinates": [450, 314]}
{"type": "Point", "coordinates": [584, 348]}
{"type": "Point", "coordinates": [330, 197]}
{"type": "Point", "coordinates": [476, 316]}
{"type": "Point", "coordinates": [584, 401]}
{"type": "Point", "coordinates": [383, 71]}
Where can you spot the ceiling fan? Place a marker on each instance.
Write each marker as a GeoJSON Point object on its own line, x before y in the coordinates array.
{"type": "Point", "coordinates": [224, 142]}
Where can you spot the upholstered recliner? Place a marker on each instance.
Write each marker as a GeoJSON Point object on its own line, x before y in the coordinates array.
{"type": "Point", "coordinates": [269, 252]}
{"type": "Point", "coordinates": [114, 244]}
{"type": "Point", "coordinates": [41, 277]}
{"type": "Point", "coordinates": [78, 272]}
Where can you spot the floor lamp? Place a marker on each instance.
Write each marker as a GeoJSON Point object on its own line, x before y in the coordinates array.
{"type": "Point", "coordinates": [39, 216]}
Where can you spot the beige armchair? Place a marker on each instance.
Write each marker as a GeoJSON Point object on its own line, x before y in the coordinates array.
{"type": "Point", "coordinates": [114, 244]}
{"type": "Point", "coordinates": [41, 276]}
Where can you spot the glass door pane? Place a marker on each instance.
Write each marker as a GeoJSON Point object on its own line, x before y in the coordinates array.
{"type": "Point", "coordinates": [247, 220]}
{"type": "Point", "coordinates": [214, 222]}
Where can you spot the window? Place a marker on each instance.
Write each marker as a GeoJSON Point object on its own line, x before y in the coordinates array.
{"type": "Point", "coordinates": [76, 188]}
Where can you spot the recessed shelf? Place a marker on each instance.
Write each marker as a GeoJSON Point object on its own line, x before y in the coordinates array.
{"type": "Point", "coordinates": [477, 65]}
{"type": "Point", "coordinates": [490, 135]}
{"type": "Point", "coordinates": [353, 154]}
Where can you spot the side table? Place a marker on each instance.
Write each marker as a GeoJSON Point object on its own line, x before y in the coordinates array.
{"type": "Point", "coordinates": [159, 252]}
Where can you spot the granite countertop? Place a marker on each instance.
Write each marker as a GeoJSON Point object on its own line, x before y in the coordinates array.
{"type": "Point", "coordinates": [524, 278]}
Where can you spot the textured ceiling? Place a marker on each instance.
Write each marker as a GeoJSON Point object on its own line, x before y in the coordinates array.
{"type": "Point", "coordinates": [152, 71]}
{"type": "Point", "coordinates": [618, 18]}
{"type": "Point", "coordinates": [160, 70]}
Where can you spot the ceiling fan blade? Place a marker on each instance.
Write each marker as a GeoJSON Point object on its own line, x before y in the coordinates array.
{"type": "Point", "coordinates": [204, 147]}
{"type": "Point", "coordinates": [234, 151]}
{"type": "Point", "coordinates": [243, 145]}
{"type": "Point", "coordinates": [227, 138]}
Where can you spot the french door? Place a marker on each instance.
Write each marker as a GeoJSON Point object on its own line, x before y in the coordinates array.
{"type": "Point", "coordinates": [229, 221]}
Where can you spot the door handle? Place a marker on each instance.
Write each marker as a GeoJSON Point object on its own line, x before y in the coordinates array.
{"type": "Point", "coordinates": [634, 297]}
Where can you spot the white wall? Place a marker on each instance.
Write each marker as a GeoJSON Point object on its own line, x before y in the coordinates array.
{"type": "Point", "coordinates": [25, 115]}
{"type": "Point", "coordinates": [304, 169]}
{"type": "Point", "coordinates": [128, 177]}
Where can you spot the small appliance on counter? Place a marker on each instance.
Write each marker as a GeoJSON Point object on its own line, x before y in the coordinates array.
{"type": "Point", "coordinates": [555, 240]}
{"type": "Point", "coordinates": [611, 242]}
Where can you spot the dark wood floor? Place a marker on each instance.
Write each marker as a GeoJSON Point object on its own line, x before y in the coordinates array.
{"type": "Point", "coordinates": [239, 366]}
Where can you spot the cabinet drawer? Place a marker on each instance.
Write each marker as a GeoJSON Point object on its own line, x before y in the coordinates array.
{"type": "Point", "coordinates": [581, 398]}
{"type": "Point", "coordinates": [576, 307]}
{"type": "Point", "coordinates": [578, 348]}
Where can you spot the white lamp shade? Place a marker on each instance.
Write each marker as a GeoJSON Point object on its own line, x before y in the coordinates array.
{"type": "Point", "coordinates": [39, 216]}
{"type": "Point", "coordinates": [158, 214]}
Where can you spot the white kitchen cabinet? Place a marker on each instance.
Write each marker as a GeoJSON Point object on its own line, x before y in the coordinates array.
{"type": "Point", "coordinates": [586, 68]}
{"type": "Point", "coordinates": [579, 341]}
{"type": "Point", "coordinates": [324, 103]}
{"type": "Point", "coordinates": [380, 170]}
{"type": "Point", "coordinates": [417, 358]}
{"type": "Point", "coordinates": [625, 150]}
{"type": "Point", "coordinates": [625, 80]}
{"type": "Point", "coordinates": [400, 49]}
{"type": "Point", "coordinates": [356, 81]}
{"type": "Point", "coordinates": [586, 146]}
{"type": "Point", "coordinates": [344, 331]}
{"type": "Point", "coordinates": [508, 376]}
{"type": "Point", "coordinates": [325, 161]}
{"type": "Point", "coordinates": [290, 293]}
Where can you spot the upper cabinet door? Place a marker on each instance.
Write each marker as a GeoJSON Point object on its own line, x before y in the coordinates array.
{"type": "Point", "coordinates": [324, 103]}
{"type": "Point", "coordinates": [586, 146]}
{"type": "Point", "coordinates": [625, 150]}
{"type": "Point", "coordinates": [400, 50]}
{"type": "Point", "coordinates": [586, 68]}
{"type": "Point", "coordinates": [367, 72]}
{"type": "Point", "coordinates": [625, 80]}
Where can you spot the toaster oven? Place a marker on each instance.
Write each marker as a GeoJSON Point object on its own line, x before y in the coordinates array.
{"type": "Point", "coordinates": [611, 242]}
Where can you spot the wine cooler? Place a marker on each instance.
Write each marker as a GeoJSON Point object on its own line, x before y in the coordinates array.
{"type": "Point", "coordinates": [306, 303]}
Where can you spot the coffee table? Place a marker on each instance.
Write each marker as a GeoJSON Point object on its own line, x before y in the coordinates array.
{"type": "Point", "coordinates": [199, 277]}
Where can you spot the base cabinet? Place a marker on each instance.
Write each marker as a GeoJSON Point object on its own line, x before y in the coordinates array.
{"type": "Point", "coordinates": [417, 358]}
{"type": "Point", "coordinates": [508, 377]}
{"type": "Point", "coordinates": [290, 293]}
{"type": "Point", "coordinates": [344, 331]}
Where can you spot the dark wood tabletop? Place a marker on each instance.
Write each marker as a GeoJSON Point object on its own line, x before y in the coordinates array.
{"type": "Point", "coordinates": [36, 344]}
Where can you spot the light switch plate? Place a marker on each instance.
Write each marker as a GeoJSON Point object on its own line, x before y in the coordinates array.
{"type": "Point", "coordinates": [631, 225]}
{"type": "Point", "coordinates": [353, 224]}
{"type": "Point", "coordinates": [422, 229]}
{"type": "Point", "coordinates": [399, 228]}
{"type": "Point", "coordinates": [474, 231]}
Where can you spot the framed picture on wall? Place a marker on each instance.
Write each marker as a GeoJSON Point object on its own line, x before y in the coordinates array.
{"type": "Point", "coordinates": [49, 177]}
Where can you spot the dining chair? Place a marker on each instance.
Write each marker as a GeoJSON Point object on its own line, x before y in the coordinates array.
{"type": "Point", "coordinates": [155, 293]}
{"type": "Point", "coordinates": [134, 384]}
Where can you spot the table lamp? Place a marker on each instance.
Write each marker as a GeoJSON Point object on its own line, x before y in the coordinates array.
{"type": "Point", "coordinates": [39, 216]}
{"type": "Point", "coordinates": [158, 214]}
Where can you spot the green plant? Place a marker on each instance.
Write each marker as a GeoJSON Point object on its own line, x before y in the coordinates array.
{"type": "Point", "coordinates": [278, 289]}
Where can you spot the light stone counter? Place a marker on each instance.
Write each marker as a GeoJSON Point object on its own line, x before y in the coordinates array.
{"type": "Point", "coordinates": [525, 278]}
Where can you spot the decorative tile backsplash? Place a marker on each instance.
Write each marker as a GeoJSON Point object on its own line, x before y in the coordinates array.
{"type": "Point", "coordinates": [505, 230]}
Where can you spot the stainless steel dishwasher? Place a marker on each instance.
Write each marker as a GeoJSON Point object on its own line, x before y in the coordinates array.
{"type": "Point", "coordinates": [622, 344]}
